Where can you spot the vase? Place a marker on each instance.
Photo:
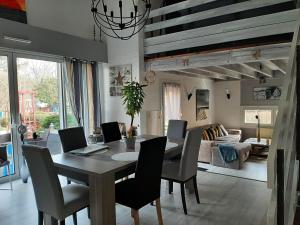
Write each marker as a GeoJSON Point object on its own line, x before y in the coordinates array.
{"type": "Point", "coordinates": [130, 142]}
{"type": "Point", "coordinates": [24, 172]}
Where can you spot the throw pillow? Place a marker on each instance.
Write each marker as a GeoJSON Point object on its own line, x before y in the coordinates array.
{"type": "Point", "coordinates": [210, 134]}
{"type": "Point", "coordinates": [220, 130]}
{"type": "Point", "coordinates": [205, 135]}
{"type": "Point", "coordinates": [225, 132]}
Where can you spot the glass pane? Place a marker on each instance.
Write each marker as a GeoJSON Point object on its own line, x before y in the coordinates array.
{"type": "Point", "coordinates": [38, 89]}
{"type": "Point", "coordinates": [264, 115]}
{"type": "Point", "coordinates": [5, 128]}
{"type": "Point", "coordinates": [71, 120]}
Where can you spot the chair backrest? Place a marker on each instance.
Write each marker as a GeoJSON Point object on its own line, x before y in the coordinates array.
{"type": "Point", "coordinates": [3, 153]}
{"type": "Point", "coordinates": [190, 152]}
{"type": "Point", "coordinates": [111, 132]}
{"type": "Point", "coordinates": [72, 138]}
{"type": "Point", "coordinates": [149, 166]}
{"type": "Point", "coordinates": [47, 189]}
{"type": "Point", "coordinates": [176, 129]}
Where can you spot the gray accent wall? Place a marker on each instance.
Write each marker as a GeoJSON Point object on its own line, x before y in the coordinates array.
{"type": "Point", "coordinates": [247, 87]}
{"type": "Point", "coordinates": [51, 42]}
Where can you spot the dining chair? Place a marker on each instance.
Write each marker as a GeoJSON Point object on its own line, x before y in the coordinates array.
{"type": "Point", "coordinates": [144, 188]}
{"type": "Point", "coordinates": [4, 162]}
{"type": "Point", "coordinates": [176, 129]}
{"type": "Point", "coordinates": [111, 132]}
{"type": "Point", "coordinates": [71, 139]}
{"type": "Point", "coordinates": [51, 198]}
{"type": "Point", "coordinates": [184, 169]}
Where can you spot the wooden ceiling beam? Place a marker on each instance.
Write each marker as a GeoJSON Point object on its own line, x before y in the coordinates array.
{"type": "Point", "coordinates": [218, 71]}
{"type": "Point", "coordinates": [280, 65]}
{"type": "Point", "coordinates": [259, 68]}
{"type": "Point", "coordinates": [203, 74]}
{"type": "Point", "coordinates": [238, 69]}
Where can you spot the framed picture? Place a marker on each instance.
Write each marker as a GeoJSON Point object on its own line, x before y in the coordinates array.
{"type": "Point", "coordinates": [202, 104]}
{"type": "Point", "coordinates": [267, 93]}
{"type": "Point", "coordinates": [118, 76]}
{"type": "Point", "coordinates": [13, 10]}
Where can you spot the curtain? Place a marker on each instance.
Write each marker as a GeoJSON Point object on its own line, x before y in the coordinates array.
{"type": "Point", "coordinates": [71, 77]}
{"type": "Point", "coordinates": [96, 95]}
{"type": "Point", "coordinates": [171, 101]}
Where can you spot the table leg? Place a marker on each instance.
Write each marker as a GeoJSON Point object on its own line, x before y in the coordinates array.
{"type": "Point", "coordinates": [48, 220]}
{"type": "Point", "coordinates": [102, 199]}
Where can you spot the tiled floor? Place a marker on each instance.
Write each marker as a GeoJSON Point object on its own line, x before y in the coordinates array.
{"type": "Point", "coordinates": [224, 201]}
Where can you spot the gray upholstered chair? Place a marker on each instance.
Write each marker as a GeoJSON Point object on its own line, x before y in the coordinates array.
{"type": "Point", "coordinates": [4, 162]}
{"type": "Point", "coordinates": [185, 168]}
{"type": "Point", "coordinates": [51, 199]}
{"type": "Point", "coordinates": [176, 129]}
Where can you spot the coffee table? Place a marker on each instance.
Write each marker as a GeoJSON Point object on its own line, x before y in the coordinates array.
{"type": "Point", "coordinates": [259, 148]}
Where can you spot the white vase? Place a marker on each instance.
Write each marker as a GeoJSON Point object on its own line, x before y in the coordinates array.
{"type": "Point", "coordinates": [24, 172]}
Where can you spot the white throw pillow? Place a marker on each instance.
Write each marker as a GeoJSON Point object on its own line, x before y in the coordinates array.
{"type": "Point", "coordinates": [225, 132]}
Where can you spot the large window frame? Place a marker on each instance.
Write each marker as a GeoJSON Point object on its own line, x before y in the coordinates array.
{"type": "Point", "coordinates": [273, 109]}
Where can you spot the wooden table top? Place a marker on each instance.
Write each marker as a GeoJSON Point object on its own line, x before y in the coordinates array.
{"type": "Point", "coordinates": [101, 163]}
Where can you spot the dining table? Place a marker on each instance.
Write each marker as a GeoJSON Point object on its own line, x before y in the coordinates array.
{"type": "Point", "coordinates": [103, 169]}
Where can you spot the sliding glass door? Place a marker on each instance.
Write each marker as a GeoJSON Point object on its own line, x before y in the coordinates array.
{"type": "Point", "coordinates": [31, 94]}
{"type": "Point", "coordinates": [8, 136]}
{"type": "Point", "coordinates": [39, 96]}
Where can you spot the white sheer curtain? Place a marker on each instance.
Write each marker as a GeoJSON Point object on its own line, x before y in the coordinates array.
{"type": "Point", "coordinates": [172, 102]}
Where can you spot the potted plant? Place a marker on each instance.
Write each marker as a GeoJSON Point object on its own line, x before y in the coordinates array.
{"type": "Point", "coordinates": [133, 98]}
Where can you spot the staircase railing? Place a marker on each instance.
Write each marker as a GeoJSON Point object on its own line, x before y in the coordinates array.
{"type": "Point", "coordinates": [283, 167]}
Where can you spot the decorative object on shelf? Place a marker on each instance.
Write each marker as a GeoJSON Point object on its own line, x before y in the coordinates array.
{"type": "Point", "coordinates": [258, 128]}
{"type": "Point", "coordinates": [24, 172]}
{"type": "Point", "coordinates": [202, 104]}
{"type": "Point", "coordinates": [133, 98]}
{"type": "Point", "coordinates": [267, 93]}
{"type": "Point", "coordinates": [116, 23]}
{"type": "Point", "coordinates": [13, 10]}
{"type": "Point", "coordinates": [228, 95]}
{"type": "Point", "coordinates": [119, 75]}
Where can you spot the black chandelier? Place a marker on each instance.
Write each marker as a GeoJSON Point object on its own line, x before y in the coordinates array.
{"type": "Point", "coordinates": [116, 24]}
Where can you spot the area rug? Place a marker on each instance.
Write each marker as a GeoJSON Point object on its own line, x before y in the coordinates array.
{"type": "Point", "coordinates": [254, 169]}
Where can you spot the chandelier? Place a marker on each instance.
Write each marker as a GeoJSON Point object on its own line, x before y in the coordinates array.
{"type": "Point", "coordinates": [120, 20]}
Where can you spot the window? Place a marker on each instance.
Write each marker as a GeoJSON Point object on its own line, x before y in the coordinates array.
{"type": "Point", "coordinates": [267, 115]}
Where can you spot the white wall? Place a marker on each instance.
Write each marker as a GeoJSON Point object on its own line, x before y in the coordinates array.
{"type": "Point", "coordinates": [74, 17]}
{"type": "Point", "coordinates": [227, 111]}
{"type": "Point", "coordinates": [154, 96]}
{"type": "Point", "coordinates": [68, 16]}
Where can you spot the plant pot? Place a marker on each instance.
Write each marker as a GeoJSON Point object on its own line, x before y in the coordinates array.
{"type": "Point", "coordinates": [130, 142]}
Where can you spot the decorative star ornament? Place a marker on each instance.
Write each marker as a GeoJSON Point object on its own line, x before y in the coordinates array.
{"type": "Point", "coordinates": [119, 79]}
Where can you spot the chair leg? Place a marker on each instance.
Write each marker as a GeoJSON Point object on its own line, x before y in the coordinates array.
{"type": "Point", "coordinates": [196, 189]}
{"type": "Point", "coordinates": [158, 211]}
{"type": "Point", "coordinates": [170, 187]}
{"type": "Point", "coordinates": [89, 212]}
{"type": "Point", "coordinates": [41, 217]}
{"type": "Point", "coordinates": [10, 182]}
{"type": "Point", "coordinates": [183, 198]}
{"type": "Point", "coordinates": [75, 218]}
{"type": "Point", "coordinates": [62, 222]}
{"type": "Point", "coordinates": [135, 216]}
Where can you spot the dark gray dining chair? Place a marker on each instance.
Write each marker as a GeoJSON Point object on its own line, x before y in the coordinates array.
{"type": "Point", "coordinates": [144, 188]}
{"type": "Point", "coordinates": [4, 162]}
{"type": "Point", "coordinates": [51, 198]}
{"type": "Point", "coordinates": [71, 139]}
{"type": "Point", "coordinates": [111, 132]}
{"type": "Point", "coordinates": [184, 169]}
{"type": "Point", "coordinates": [176, 129]}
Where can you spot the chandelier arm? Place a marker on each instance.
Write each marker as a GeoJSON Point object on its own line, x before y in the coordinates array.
{"type": "Point", "coordinates": [136, 23]}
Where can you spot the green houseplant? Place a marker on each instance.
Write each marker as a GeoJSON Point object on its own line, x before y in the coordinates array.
{"type": "Point", "coordinates": [133, 98]}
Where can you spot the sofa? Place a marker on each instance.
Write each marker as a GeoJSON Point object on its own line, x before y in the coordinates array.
{"type": "Point", "coordinates": [209, 152]}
